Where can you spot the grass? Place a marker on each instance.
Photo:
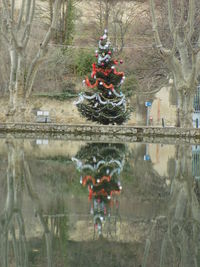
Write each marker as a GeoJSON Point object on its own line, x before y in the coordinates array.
{"type": "Point", "coordinates": [58, 96]}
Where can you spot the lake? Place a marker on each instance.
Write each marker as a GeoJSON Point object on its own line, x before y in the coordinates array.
{"type": "Point", "coordinates": [73, 203]}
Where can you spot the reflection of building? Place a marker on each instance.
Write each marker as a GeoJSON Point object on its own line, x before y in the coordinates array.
{"type": "Point", "coordinates": [100, 166]}
{"type": "Point", "coordinates": [160, 155]}
{"type": "Point", "coordinates": [196, 161]}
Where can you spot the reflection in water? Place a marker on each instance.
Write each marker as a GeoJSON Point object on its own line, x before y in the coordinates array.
{"type": "Point", "coordinates": [100, 166]}
{"type": "Point", "coordinates": [181, 239]}
{"type": "Point", "coordinates": [154, 221]}
{"type": "Point", "coordinates": [180, 244]}
{"type": "Point", "coordinates": [13, 240]}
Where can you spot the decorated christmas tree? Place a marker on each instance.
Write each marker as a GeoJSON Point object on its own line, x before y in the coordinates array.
{"type": "Point", "coordinates": [100, 166]}
{"type": "Point", "coordinates": [104, 102]}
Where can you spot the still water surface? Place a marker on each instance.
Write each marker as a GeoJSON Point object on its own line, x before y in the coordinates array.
{"type": "Point", "coordinates": [65, 203]}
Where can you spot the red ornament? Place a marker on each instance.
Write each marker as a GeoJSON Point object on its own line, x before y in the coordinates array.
{"type": "Point", "coordinates": [109, 52]}
{"type": "Point", "coordinates": [121, 61]}
{"type": "Point", "coordinates": [96, 55]}
{"type": "Point", "coordinates": [101, 38]}
{"type": "Point", "coordinates": [102, 64]}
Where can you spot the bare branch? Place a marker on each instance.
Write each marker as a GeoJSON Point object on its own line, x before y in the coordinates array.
{"type": "Point", "coordinates": [159, 45]}
{"type": "Point", "coordinates": [10, 23]}
{"type": "Point", "coordinates": [170, 16]}
{"type": "Point", "coordinates": [27, 30]}
{"type": "Point", "coordinates": [12, 9]}
{"type": "Point", "coordinates": [191, 17]}
{"type": "Point", "coordinates": [28, 10]}
{"type": "Point", "coordinates": [5, 5]}
{"type": "Point", "coordinates": [21, 14]}
{"type": "Point", "coordinates": [182, 14]}
{"type": "Point", "coordinates": [40, 56]}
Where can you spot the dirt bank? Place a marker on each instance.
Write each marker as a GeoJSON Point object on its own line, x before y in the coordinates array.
{"type": "Point", "coordinates": [60, 111]}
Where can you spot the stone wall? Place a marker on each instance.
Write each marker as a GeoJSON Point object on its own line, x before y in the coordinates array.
{"type": "Point", "coordinates": [101, 132]}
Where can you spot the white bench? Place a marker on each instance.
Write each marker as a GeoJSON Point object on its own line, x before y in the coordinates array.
{"type": "Point", "coordinates": [43, 116]}
{"type": "Point", "coordinates": [42, 142]}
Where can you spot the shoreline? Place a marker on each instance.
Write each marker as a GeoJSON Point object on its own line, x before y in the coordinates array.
{"type": "Point", "coordinates": [89, 132]}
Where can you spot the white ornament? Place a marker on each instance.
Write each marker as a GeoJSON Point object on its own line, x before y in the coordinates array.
{"type": "Point", "coordinates": [104, 47]}
{"type": "Point", "coordinates": [101, 83]}
{"type": "Point", "coordinates": [108, 197]}
{"type": "Point", "coordinates": [104, 36]}
{"type": "Point", "coordinates": [110, 93]}
{"type": "Point", "coordinates": [113, 67]}
{"type": "Point", "coordinates": [83, 82]}
{"type": "Point", "coordinates": [105, 31]}
{"type": "Point", "coordinates": [98, 181]}
{"type": "Point", "coordinates": [100, 59]}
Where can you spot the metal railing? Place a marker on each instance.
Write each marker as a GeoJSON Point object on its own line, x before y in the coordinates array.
{"type": "Point", "coordinates": [197, 100]}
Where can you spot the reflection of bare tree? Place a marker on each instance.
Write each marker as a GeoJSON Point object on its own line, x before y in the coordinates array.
{"type": "Point", "coordinates": [12, 225]}
{"type": "Point", "coordinates": [180, 243]}
{"type": "Point", "coordinates": [181, 238]}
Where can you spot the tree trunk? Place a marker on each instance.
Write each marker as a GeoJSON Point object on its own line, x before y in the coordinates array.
{"type": "Point", "coordinates": [16, 84]}
{"type": "Point", "coordinates": [188, 110]}
{"type": "Point", "coordinates": [185, 110]}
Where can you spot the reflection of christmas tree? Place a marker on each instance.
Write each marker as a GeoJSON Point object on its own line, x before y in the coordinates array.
{"type": "Point", "coordinates": [107, 105]}
{"type": "Point", "coordinates": [100, 166]}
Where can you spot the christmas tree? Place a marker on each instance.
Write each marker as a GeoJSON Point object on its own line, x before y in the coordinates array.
{"type": "Point", "coordinates": [105, 103]}
{"type": "Point", "coordinates": [100, 166]}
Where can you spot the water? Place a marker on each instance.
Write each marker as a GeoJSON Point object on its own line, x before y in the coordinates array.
{"type": "Point", "coordinates": [65, 203]}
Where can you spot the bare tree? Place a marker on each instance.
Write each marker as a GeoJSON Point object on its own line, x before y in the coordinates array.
{"type": "Point", "coordinates": [104, 13]}
{"type": "Point", "coordinates": [183, 56]}
{"type": "Point", "coordinates": [16, 30]}
{"type": "Point", "coordinates": [123, 15]}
